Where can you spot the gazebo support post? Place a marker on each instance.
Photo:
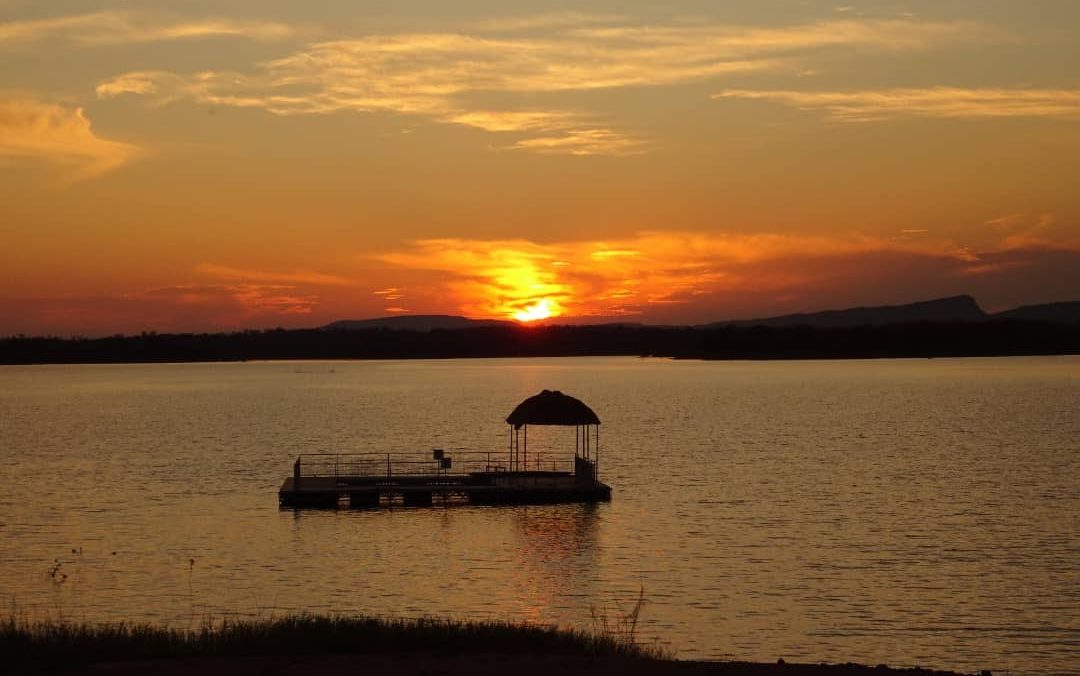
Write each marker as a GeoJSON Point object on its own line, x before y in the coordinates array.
{"type": "Point", "coordinates": [596, 464]}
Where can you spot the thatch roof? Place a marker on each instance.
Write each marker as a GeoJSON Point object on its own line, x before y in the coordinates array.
{"type": "Point", "coordinates": [552, 408]}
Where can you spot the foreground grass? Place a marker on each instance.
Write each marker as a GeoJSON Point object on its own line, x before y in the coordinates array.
{"type": "Point", "coordinates": [44, 645]}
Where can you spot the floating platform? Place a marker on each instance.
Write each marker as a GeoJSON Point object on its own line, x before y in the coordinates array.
{"type": "Point", "coordinates": [326, 480]}
{"type": "Point", "coordinates": [426, 490]}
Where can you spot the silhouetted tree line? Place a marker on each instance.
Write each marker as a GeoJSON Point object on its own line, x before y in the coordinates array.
{"type": "Point", "coordinates": [996, 338]}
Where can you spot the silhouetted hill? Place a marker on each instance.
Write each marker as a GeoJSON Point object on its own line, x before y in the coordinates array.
{"type": "Point", "coordinates": [1063, 313]}
{"type": "Point", "coordinates": [950, 327]}
{"type": "Point", "coordinates": [983, 338]}
{"type": "Point", "coordinates": [954, 309]}
{"type": "Point", "coordinates": [413, 323]}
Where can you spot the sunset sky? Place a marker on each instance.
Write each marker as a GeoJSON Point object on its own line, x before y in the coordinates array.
{"type": "Point", "coordinates": [227, 164]}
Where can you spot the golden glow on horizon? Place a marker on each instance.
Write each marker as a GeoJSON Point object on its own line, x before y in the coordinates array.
{"type": "Point", "coordinates": [515, 279]}
{"type": "Point", "coordinates": [529, 281]}
{"type": "Point", "coordinates": [679, 277]}
{"type": "Point", "coordinates": [541, 309]}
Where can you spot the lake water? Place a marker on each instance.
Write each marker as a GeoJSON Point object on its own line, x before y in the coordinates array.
{"type": "Point", "coordinates": [911, 512]}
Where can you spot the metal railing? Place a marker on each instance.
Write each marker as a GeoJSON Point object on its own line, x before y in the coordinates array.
{"type": "Point", "coordinates": [390, 465]}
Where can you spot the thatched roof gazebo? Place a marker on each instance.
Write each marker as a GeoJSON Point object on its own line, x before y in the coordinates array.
{"type": "Point", "coordinates": [552, 407]}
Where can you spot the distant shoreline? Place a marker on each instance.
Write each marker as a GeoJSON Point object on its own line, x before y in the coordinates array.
{"type": "Point", "coordinates": [995, 338]}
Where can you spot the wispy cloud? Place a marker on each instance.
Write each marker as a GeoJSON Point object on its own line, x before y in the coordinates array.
{"type": "Point", "coordinates": [442, 75]}
{"type": "Point", "coordinates": [258, 292]}
{"type": "Point", "coordinates": [584, 142]}
{"type": "Point", "coordinates": [249, 299]}
{"type": "Point", "coordinates": [1038, 230]}
{"type": "Point", "coordinates": [535, 22]}
{"type": "Point", "coordinates": [117, 27]}
{"type": "Point", "coordinates": [177, 307]}
{"type": "Point", "coordinates": [262, 276]}
{"type": "Point", "coordinates": [31, 130]}
{"type": "Point", "coordinates": [940, 102]}
{"type": "Point", "coordinates": [392, 293]}
{"type": "Point", "coordinates": [216, 297]}
{"type": "Point", "coordinates": [709, 40]}
{"type": "Point", "coordinates": [503, 120]}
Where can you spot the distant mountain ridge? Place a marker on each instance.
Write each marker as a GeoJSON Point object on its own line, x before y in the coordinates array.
{"type": "Point", "coordinates": [1061, 313]}
{"type": "Point", "coordinates": [413, 323]}
{"type": "Point", "coordinates": [953, 309]}
{"type": "Point", "coordinates": [961, 308]}
{"type": "Point", "coordinates": [947, 327]}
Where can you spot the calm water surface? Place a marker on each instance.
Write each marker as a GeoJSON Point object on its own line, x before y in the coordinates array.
{"type": "Point", "coordinates": [911, 512]}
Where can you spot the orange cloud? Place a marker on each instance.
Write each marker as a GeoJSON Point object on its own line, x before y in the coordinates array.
{"type": "Point", "coordinates": [491, 279]}
{"type": "Point", "coordinates": [115, 27]}
{"type": "Point", "coordinates": [444, 76]}
{"type": "Point", "coordinates": [940, 102]}
{"type": "Point", "coordinates": [651, 271]}
{"type": "Point", "coordinates": [393, 293]}
{"type": "Point", "coordinates": [248, 299]}
{"type": "Point", "coordinates": [584, 142]}
{"type": "Point", "coordinates": [295, 276]}
{"type": "Point", "coordinates": [34, 131]}
{"type": "Point", "coordinates": [526, 280]}
{"type": "Point", "coordinates": [181, 308]}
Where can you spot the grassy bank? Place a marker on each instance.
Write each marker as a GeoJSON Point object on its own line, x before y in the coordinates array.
{"type": "Point", "coordinates": [46, 645]}
{"type": "Point", "coordinates": [316, 646]}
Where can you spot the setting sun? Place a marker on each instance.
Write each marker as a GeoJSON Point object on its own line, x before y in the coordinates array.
{"type": "Point", "coordinates": [541, 309]}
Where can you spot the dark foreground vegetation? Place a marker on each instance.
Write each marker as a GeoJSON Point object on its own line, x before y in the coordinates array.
{"type": "Point", "coordinates": [921, 339]}
{"type": "Point", "coordinates": [52, 644]}
{"type": "Point", "coordinates": [323, 645]}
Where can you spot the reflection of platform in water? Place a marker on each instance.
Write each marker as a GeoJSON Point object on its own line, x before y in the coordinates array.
{"type": "Point", "coordinates": [370, 479]}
